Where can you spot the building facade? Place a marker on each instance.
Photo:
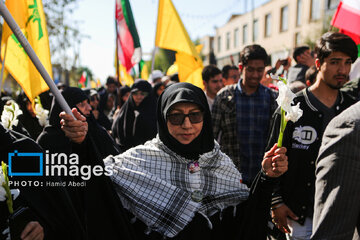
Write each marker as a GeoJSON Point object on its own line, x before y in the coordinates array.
{"type": "Point", "coordinates": [207, 51]}
{"type": "Point", "coordinates": [277, 25]}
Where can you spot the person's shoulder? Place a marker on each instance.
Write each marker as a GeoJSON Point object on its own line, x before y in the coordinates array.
{"type": "Point", "coordinates": [152, 147]}
{"type": "Point", "coordinates": [347, 122]}
{"type": "Point", "coordinates": [273, 92]}
{"type": "Point", "coordinates": [351, 114]}
{"type": "Point", "coordinates": [349, 98]}
{"type": "Point", "coordinates": [227, 90]}
{"type": "Point", "coordinates": [298, 66]}
{"type": "Point", "coordinates": [300, 95]}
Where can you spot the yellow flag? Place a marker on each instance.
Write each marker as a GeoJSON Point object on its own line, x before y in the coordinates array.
{"type": "Point", "coordinates": [145, 72]}
{"type": "Point", "coordinates": [189, 69]}
{"type": "Point", "coordinates": [170, 31]}
{"type": "Point", "coordinates": [93, 84]}
{"type": "Point", "coordinates": [195, 78]}
{"type": "Point", "coordinates": [171, 34]}
{"type": "Point", "coordinates": [172, 69]}
{"type": "Point", "coordinates": [199, 48]}
{"type": "Point", "coordinates": [29, 15]}
{"type": "Point", "coordinates": [125, 77]}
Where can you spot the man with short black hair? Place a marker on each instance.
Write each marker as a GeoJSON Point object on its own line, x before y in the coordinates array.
{"type": "Point", "coordinates": [230, 74]}
{"type": "Point", "coordinates": [212, 80]}
{"type": "Point", "coordinates": [304, 60]}
{"type": "Point", "coordinates": [241, 114]}
{"type": "Point", "coordinates": [293, 200]}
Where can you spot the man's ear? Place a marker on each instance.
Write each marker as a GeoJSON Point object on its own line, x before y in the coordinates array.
{"type": "Point", "coordinates": [317, 64]}
{"type": "Point", "coordinates": [205, 84]}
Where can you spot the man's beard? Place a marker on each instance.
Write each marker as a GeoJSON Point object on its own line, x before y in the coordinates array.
{"type": "Point", "coordinates": [338, 86]}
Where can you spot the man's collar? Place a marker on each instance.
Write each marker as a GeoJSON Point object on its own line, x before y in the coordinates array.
{"type": "Point", "coordinates": [242, 91]}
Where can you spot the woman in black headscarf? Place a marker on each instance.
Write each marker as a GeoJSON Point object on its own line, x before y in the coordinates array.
{"type": "Point", "coordinates": [28, 119]}
{"type": "Point", "coordinates": [180, 185]}
{"type": "Point", "coordinates": [158, 88]}
{"type": "Point", "coordinates": [123, 94]}
{"type": "Point", "coordinates": [96, 203]}
{"type": "Point", "coordinates": [136, 122]}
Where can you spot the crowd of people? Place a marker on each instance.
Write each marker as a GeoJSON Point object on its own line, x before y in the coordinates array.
{"type": "Point", "coordinates": [190, 163]}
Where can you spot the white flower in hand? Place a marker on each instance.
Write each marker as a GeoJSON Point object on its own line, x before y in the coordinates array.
{"type": "Point", "coordinates": [2, 189]}
{"type": "Point", "coordinates": [10, 114]}
{"type": "Point", "coordinates": [286, 96]}
{"type": "Point", "coordinates": [294, 114]}
{"type": "Point", "coordinates": [285, 99]}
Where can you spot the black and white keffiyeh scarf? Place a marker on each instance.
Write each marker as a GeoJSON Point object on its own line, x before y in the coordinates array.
{"type": "Point", "coordinates": [154, 184]}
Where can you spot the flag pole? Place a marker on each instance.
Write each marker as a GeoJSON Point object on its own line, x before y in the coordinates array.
{"type": "Point", "coordinates": [116, 48]}
{"type": "Point", "coordinates": [2, 68]}
{"type": "Point", "coordinates": [4, 12]}
{"type": "Point", "coordinates": [155, 48]}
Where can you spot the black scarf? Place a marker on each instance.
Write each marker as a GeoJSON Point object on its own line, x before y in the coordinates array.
{"type": "Point", "coordinates": [185, 93]}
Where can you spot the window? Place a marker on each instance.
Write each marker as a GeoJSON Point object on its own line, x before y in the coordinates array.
{"type": "Point", "coordinates": [245, 37]}
{"type": "Point", "coordinates": [297, 39]}
{"type": "Point", "coordinates": [236, 37]}
{"type": "Point", "coordinates": [255, 30]}
{"type": "Point", "coordinates": [227, 40]}
{"type": "Point", "coordinates": [315, 10]}
{"type": "Point", "coordinates": [298, 12]}
{"type": "Point", "coordinates": [284, 19]}
{"type": "Point", "coordinates": [268, 25]}
{"type": "Point", "coordinates": [219, 43]}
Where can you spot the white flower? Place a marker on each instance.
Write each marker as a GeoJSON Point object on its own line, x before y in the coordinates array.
{"type": "Point", "coordinates": [6, 119]}
{"type": "Point", "coordinates": [294, 114]}
{"type": "Point", "coordinates": [286, 96]}
{"type": "Point", "coordinates": [285, 100]}
{"type": "Point", "coordinates": [10, 114]}
{"type": "Point", "coordinates": [41, 114]}
{"type": "Point", "coordinates": [2, 189]}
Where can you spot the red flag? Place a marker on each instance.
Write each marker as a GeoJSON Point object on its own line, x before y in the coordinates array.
{"type": "Point", "coordinates": [84, 80]}
{"type": "Point", "coordinates": [128, 44]}
{"type": "Point", "coordinates": [347, 19]}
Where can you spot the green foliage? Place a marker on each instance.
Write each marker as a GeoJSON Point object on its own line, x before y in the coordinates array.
{"type": "Point", "coordinates": [64, 34]}
{"type": "Point", "coordinates": [163, 59]}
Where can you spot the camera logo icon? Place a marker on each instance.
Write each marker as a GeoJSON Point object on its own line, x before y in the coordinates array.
{"type": "Point", "coordinates": [25, 164]}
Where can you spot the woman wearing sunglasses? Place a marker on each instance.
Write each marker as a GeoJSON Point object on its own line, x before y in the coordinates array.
{"type": "Point", "coordinates": [180, 185]}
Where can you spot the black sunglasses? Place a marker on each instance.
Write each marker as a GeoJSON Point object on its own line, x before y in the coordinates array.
{"type": "Point", "coordinates": [179, 118]}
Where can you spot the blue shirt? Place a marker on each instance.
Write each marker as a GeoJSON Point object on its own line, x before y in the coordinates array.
{"type": "Point", "coordinates": [253, 118]}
